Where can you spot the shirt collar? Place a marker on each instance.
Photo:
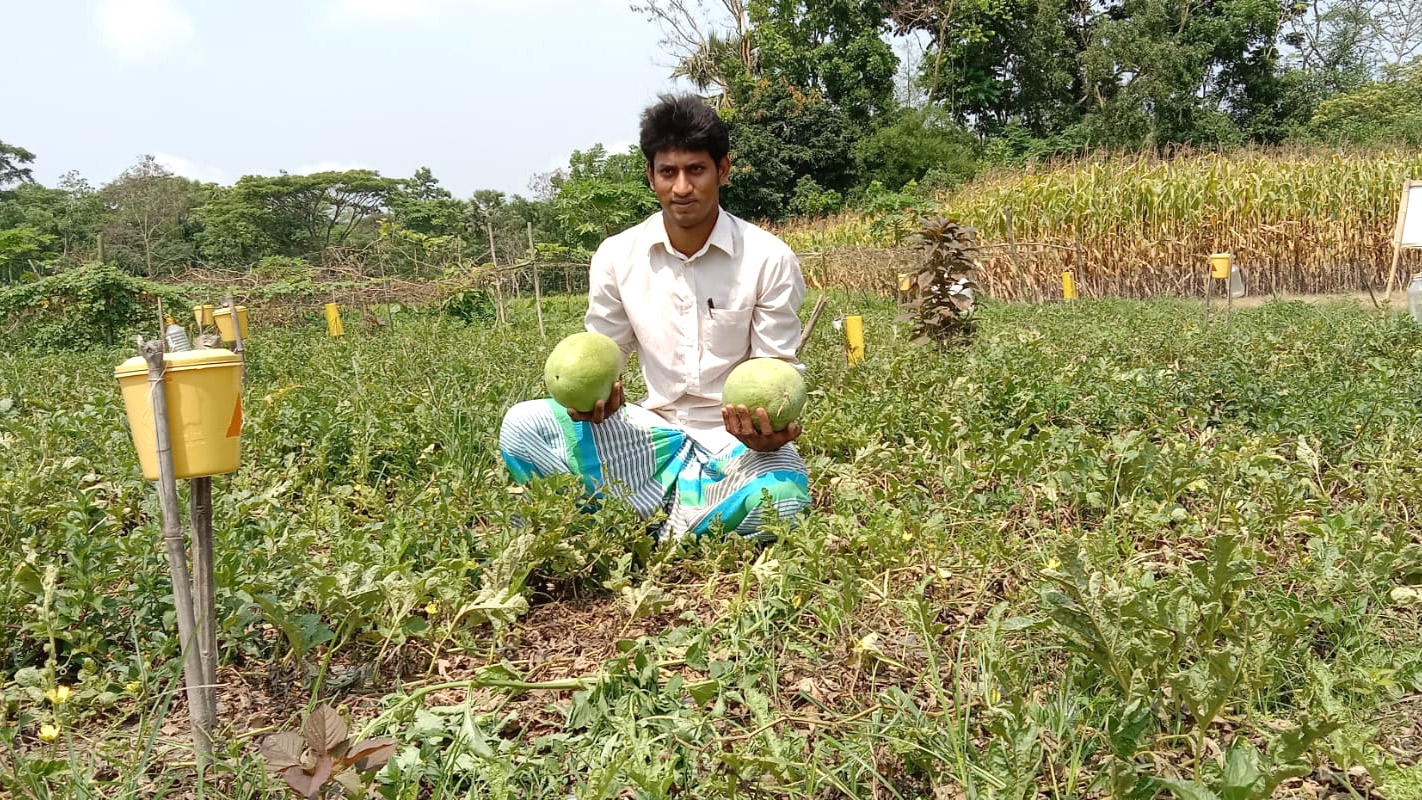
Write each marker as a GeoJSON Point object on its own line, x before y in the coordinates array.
{"type": "Point", "coordinates": [724, 236]}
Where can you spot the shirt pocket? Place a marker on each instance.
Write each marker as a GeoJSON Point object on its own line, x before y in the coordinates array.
{"type": "Point", "coordinates": [728, 333]}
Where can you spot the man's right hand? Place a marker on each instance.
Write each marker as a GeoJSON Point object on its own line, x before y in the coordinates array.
{"type": "Point", "coordinates": [604, 408]}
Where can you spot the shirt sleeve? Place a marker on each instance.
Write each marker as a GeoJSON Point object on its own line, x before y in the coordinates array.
{"type": "Point", "coordinates": [606, 314]}
{"type": "Point", "coordinates": [775, 324]}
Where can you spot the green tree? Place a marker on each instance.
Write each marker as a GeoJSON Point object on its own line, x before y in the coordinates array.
{"type": "Point", "coordinates": [599, 194]}
{"type": "Point", "coordinates": [812, 200]}
{"type": "Point", "coordinates": [709, 40]}
{"type": "Point", "coordinates": [833, 47]}
{"type": "Point", "coordinates": [1000, 64]}
{"type": "Point", "coordinates": [150, 225]}
{"type": "Point", "coordinates": [420, 204]}
{"type": "Point", "coordinates": [1328, 52]}
{"type": "Point", "coordinates": [916, 142]}
{"type": "Point", "coordinates": [780, 135]}
{"type": "Point", "coordinates": [68, 217]}
{"type": "Point", "coordinates": [301, 216]}
{"type": "Point", "coordinates": [1205, 73]}
{"type": "Point", "coordinates": [12, 164]}
{"type": "Point", "coordinates": [33, 206]}
{"type": "Point", "coordinates": [22, 249]}
{"type": "Point", "coordinates": [492, 210]}
{"type": "Point", "coordinates": [1386, 110]}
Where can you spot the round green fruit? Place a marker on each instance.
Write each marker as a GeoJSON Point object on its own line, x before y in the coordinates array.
{"type": "Point", "coordinates": [767, 383]}
{"type": "Point", "coordinates": [581, 370]}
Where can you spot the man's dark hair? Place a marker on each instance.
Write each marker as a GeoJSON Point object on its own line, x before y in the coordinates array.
{"type": "Point", "coordinates": [684, 123]}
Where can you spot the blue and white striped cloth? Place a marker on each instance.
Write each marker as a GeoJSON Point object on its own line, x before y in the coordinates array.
{"type": "Point", "coordinates": [655, 466]}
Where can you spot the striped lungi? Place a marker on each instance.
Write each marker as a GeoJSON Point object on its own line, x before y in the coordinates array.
{"type": "Point", "coordinates": [655, 466]}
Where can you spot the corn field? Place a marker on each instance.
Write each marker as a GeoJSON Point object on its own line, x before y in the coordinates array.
{"type": "Point", "coordinates": [1296, 221]}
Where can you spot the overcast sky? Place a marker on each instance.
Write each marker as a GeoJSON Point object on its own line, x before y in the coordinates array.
{"type": "Point", "coordinates": [484, 92]}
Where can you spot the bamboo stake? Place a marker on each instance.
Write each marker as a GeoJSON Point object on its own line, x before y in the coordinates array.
{"type": "Point", "coordinates": [498, 279]}
{"type": "Point", "coordinates": [236, 333]}
{"type": "Point", "coordinates": [204, 587]}
{"type": "Point", "coordinates": [537, 287]}
{"type": "Point", "coordinates": [198, 711]}
{"type": "Point", "coordinates": [1080, 268]}
{"type": "Point", "coordinates": [1397, 242]}
{"type": "Point", "coordinates": [810, 326]}
{"type": "Point", "coordinates": [1209, 284]}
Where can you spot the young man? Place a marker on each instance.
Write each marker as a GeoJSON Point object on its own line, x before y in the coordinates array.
{"type": "Point", "coordinates": [693, 291]}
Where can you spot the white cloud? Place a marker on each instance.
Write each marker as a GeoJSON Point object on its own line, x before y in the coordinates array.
{"type": "Point", "coordinates": [329, 166]}
{"type": "Point", "coordinates": [192, 169]}
{"type": "Point", "coordinates": [384, 10]}
{"type": "Point", "coordinates": [144, 30]}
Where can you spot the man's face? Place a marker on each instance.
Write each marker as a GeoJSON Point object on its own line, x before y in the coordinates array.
{"type": "Point", "coordinates": [688, 185]}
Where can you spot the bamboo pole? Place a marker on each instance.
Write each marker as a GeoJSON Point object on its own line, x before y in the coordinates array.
{"type": "Point", "coordinates": [1080, 267]}
{"type": "Point", "coordinates": [204, 586]}
{"type": "Point", "coordinates": [498, 279]}
{"type": "Point", "coordinates": [537, 287]}
{"type": "Point", "coordinates": [1209, 286]}
{"type": "Point", "coordinates": [1397, 242]}
{"type": "Point", "coordinates": [810, 326]}
{"type": "Point", "coordinates": [236, 332]}
{"type": "Point", "coordinates": [198, 711]}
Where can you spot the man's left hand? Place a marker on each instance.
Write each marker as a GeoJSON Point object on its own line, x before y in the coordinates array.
{"type": "Point", "coordinates": [754, 430]}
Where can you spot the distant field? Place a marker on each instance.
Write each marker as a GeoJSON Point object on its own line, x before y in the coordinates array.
{"type": "Point", "coordinates": [1302, 222]}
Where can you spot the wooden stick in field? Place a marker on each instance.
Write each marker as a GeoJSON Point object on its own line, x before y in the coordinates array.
{"type": "Point", "coordinates": [1397, 241]}
{"type": "Point", "coordinates": [498, 279]}
{"type": "Point", "coordinates": [810, 326]}
{"type": "Point", "coordinates": [537, 288]}
{"type": "Point", "coordinates": [204, 587]}
{"type": "Point", "coordinates": [236, 332]}
{"type": "Point", "coordinates": [199, 712]}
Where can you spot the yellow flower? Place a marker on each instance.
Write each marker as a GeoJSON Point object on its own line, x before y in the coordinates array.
{"type": "Point", "coordinates": [908, 537]}
{"type": "Point", "coordinates": [1054, 563]}
{"type": "Point", "coordinates": [131, 687]}
{"type": "Point", "coordinates": [58, 695]}
{"type": "Point", "coordinates": [49, 732]}
{"type": "Point", "coordinates": [432, 608]}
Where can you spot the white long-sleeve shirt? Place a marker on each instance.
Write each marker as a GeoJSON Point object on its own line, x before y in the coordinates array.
{"type": "Point", "coordinates": [691, 320]}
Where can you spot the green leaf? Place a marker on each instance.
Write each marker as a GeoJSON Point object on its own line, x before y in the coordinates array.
{"type": "Point", "coordinates": [29, 678]}
{"type": "Point", "coordinates": [702, 692]}
{"type": "Point", "coordinates": [1187, 790]}
{"type": "Point", "coordinates": [1124, 729]}
{"type": "Point", "coordinates": [1241, 771]}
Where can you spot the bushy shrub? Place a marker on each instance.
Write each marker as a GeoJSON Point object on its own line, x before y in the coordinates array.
{"type": "Point", "coordinates": [88, 306]}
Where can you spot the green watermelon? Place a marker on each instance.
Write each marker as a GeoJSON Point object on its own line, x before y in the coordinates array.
{"type": "Point", "coordinates": [581, 370]}
{"type": "Point", "coordinates": [767, 383]}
